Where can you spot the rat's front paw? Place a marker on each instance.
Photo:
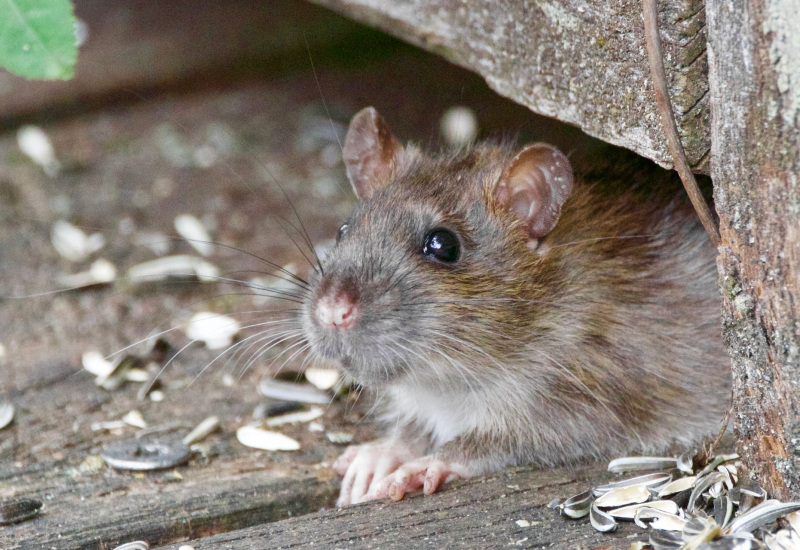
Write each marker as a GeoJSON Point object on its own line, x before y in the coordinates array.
{"type": "Point", "coordinates": [365, 465]}
{"type": "Point", "coordinates": [427, 473]}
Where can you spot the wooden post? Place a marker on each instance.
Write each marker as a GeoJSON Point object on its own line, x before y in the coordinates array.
{"type": "Point", "coordinates": [754, 66]}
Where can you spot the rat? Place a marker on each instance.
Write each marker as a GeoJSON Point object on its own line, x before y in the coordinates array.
{"type": "Point", "coordinates": [509, 313]}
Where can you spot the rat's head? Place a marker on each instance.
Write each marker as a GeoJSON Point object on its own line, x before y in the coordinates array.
{"type": "Point", "coordinates": [431, 268]}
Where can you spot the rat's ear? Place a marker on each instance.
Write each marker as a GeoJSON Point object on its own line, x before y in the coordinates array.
{"type": "Point", "coordinates": [534, 185]}
{"type": "Point", "coordinates": [371, 153]}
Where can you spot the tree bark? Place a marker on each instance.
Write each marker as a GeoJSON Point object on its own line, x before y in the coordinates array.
{"type": "Point", "coordinates": [754, 66]}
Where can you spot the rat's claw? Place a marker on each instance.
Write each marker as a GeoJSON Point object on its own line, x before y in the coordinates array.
{"type": "Point", "coordinates": [343, 462]}
{"type": "Point", "coordinates": [426, 473]}
{"type": "Point", "coordinates": [363, 465]}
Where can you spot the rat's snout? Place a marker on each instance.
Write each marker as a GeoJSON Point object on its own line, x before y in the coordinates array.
{"type": "Point", "coordinates": [338, 311]}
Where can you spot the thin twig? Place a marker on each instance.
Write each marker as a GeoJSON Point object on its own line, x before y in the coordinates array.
{"type": "Point", "coordinates": [659, 77]}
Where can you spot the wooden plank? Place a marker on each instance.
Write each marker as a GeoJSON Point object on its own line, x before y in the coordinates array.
{"type": "Point", "coordinates": [755, 89]}
{"type": "Point", "coordinates": [580, 61]}
{"type": "Point", "coordinates": [477, 514]}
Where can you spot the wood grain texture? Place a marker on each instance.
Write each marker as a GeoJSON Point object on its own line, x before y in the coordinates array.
{"type": "Point", "coordinates": [477, 514]}
{"type": "Point", "coordinates": [755, 94]}
{"type": "Point", "coordinates": [580, 61]}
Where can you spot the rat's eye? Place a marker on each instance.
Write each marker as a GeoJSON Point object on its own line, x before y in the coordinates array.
{"type": "Point", "coordinates": [341, 232]}
{"type": "Point", "coordinates": [442, 245]}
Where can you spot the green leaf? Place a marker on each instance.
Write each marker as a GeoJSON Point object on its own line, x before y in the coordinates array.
{"type": "Point", "coordinates": [37, 38]}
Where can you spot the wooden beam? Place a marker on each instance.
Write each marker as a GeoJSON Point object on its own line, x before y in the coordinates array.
{"type": "Point", "coordinates": [580, 61]}
{"type": "Point", "coordinates": [755, 98]}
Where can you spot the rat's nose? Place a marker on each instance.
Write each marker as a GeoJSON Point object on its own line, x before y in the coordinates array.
{"type": "Point", "coordinates": [339, 312]}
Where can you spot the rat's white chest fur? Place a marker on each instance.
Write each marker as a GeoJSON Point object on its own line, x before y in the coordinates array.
{"type": "Point", "coordinates": [444, 413]}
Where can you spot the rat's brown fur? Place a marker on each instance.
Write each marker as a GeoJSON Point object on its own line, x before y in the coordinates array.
{"type": "Point", "coordinates": [602, 337]}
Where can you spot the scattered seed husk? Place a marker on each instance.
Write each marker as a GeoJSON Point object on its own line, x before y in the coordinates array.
{"type": "Point", "coordinates": [752, 488]}
{"type": "Point", "coordinates": [700, 487]}
{"type": "Point", "coordinates": [96, 363]}
{"type": "Point", "coordinates": [257, 438]}
{"type": "Point", "coordinates": [315, 427]}
{"type": "Point", "coordinates": [719, 459]}
{"type": "Point", "coordinates": [665, 540]}
{"type": "Point", "coordinates": [118, 375]}
{"type": "Point", "coordinates": [638, 545]}
{"type": "Point", "coordinates": [135, 545]}
{"type": "Point", "coordinates": [600, 520]}
{"type": "Point", "coordinates": [731, 470]}
{"type": "Point", "coordinates": [629, 512]}
{"type": "Point", "coordinates": [622, 496]}
{"type": "Point", "coordinates": [699, 530]}
{"type": "Point", "coordinates": [288, 391]}
{"type": "Point", "coordinates": [19, 509]}
{"type": "Point", "coordinates": [156, 396]}
{"type": "Point", "coordinates": [658, 519]}
{"type": "Point", "coordinates": [577, 506]}
{"type": "Point", "coordinates": [723, 509]}
{"type": "Point", "coordinates": [201, 431]}
{"type": "Point", "coordinates": [180, 266]}
{"type": "Point", "coordinates": [793, 518]}
{"type": "Point", "coordinates": [339, 438]}
{"type": "Point", "coordinates": [323, 379]}
{"type": "Point", "coordinates": [680, 484]}
{"type": "Point", "coordinates": [100, 272]}
{"type": "Point", "coordinates": [6, 414]}
{"type": "Point", "coordinates": [763, 514]}
{"type": "Point", "coordinates": [108, 425]}
{"type": "Point", "coordinates": [34, 143]}
{"type": "Point", "coordinates": [782, 540]}
{"type": "Point", "coordinates": [639, 463]}
{"type": "Point", "coordinates": [216, 331]}
{"type": "Point", "coordinates": [137, 375]}
{"type": "Point", "coordinates": [686, 462]}
{"type": "Point", "coordinates": [268, 410]}
{"type": "Point", "coordinates": [647, 480]}
{"type": "Point", "coordinates": [135, 419]}
{"type": "Point", "coordinates": [72, 243]}
{"type": "Point", "coordinates": [138, 454]}
{"type": "Point", "coordinates": [295, 417]}
{"type": "Point", "coordinates": [195, 233]}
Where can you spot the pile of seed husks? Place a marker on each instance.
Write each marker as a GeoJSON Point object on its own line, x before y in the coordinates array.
{"type": "Point", "coordinates": [686, 505]}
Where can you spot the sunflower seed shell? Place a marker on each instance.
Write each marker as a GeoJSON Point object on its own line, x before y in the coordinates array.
{"type": "Point", "coordinates": [629, 512]}
{"type": "Point", "coordinates": [252, 436]}
{"type": "Point", "coordinates": [577, 506]}
{"type": "Point", "coordinates": [600, 520]}
{"type": "Point", "coordinates": [677, 486]}
{"type": "Point", "coordinates": [17, 510]}
{"type": "Point", "coordinates": [622, 496]}
{"type": "Point", "coordinates": [763, 514]}
{"type": "Point", "coordinates": [638, 463]}
{"type": "Point", "coordinates": [647, 480]}
{"type": "Point", "coordinates": [6, 414]}
{"type": "Point", "coordinates": [289, 391]}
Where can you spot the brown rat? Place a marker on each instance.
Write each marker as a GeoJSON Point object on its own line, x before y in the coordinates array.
{"type": "Point", "coordinates": [511, 315]}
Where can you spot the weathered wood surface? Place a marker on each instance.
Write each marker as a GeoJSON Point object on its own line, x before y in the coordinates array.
{"type": "Point", "coordinates": [755, 93]}
{"type": "Point", "coordinates": [477, 514]}
{"type": "Point", "coordinates": [580, 61]}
